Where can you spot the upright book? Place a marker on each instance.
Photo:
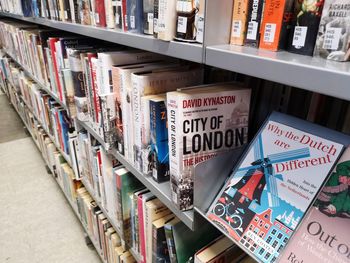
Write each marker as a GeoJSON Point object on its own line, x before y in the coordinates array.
{"type": "Point", "coordinates": [239, 21]}
{"type": "Point", "coordinates": [333, 40]}
{"type": "Point", "coordinates": [255, 9]}
{"type": "Point", "coordinates": [324, 233]}
{"type": "Point", "coordinates": [202, 122]}
{"type": "Point", "coordinates": [274, 183]}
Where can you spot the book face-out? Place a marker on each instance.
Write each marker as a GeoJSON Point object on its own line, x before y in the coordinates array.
{"type": "Point", "coordinates": [268, 194]}
{"type": "Point", "coordinates": [324, 234]}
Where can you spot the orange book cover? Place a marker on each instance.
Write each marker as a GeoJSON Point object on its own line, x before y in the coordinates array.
{"type": "Point", "coordinates": [239, 22]}
{"type": "Point", "coordinates": [276, 18]}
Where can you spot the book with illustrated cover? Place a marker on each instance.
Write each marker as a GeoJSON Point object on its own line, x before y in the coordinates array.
{"type": "Point", "coordinates": [306, 20]}
{"type": "Point", "coordinates": [255, 10]}
{"type": "Point", "coordinates": [333, 39]}
{"type": "Point", "coordinates": [275, 25]}
{"type": "Point", "coordinates": [274, 183]}
{"type": "Point", "coordinates": [239, 22]}
{"type": "Point", "coordinates": [323, 235]}
{"type": "Point", "coordinates": [202, 122]}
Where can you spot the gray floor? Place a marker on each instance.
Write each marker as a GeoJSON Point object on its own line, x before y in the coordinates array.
{"type": "Point", "coordinates": [37, 223]}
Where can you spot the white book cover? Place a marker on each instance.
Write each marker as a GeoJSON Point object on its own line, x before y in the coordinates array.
{"type": "Point", "coordinates": [167, 19]}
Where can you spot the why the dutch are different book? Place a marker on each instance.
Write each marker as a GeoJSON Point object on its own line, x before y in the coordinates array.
{"type": "Point", "coordinates": [275, 182]}
{"type": "Point", "coordinates": [324, 234]}
{"type": "Point", "coordinates": [202, 122]}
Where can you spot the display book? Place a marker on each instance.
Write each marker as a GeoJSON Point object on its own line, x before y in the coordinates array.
{"type": "Point", "coordinates": [274, 183]}
{"type": "Point", "coordinates": [324, 231]}
{"type": "Point", "coordinates": [203, 121]}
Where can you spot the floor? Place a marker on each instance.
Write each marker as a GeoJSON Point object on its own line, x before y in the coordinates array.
{"type": "Point", "coordinates": [37, 223]}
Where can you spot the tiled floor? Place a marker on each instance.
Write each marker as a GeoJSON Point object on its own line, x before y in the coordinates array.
{"type": "Point", "coordinates": [37, 223]}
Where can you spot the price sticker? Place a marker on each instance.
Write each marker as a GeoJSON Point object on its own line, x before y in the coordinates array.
{"type": "Point", "coordinates": [269, 32]}
{"type": "Point", "coordinates": [132, 22]}
{"type": "Point", "coordinates": [97, 18]}
{"type": "Point", "coordinates": [236, 28]}
{"type": "Point", "coordinates": [299, 36]}
{"type": "Point", "coordinates": [252, 30]}
{"type": "Point", "coordinates": [182, 24]}
{"type": "Point", "coordinates": [332, 38]}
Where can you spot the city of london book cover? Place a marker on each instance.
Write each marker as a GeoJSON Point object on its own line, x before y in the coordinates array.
{"type": "Point", "coordinates": [275, 182]}
{"type": "Point", "coordinates": [324, 236]}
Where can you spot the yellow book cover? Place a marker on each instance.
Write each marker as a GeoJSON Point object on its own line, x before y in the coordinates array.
{"type": "Point", "coordinates": [239, 22]}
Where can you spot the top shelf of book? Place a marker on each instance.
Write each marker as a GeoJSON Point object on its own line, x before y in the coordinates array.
{"type": "Point", "coordinates": [310, 73]}
{"type": "Point", "coordinates": [188, 51]}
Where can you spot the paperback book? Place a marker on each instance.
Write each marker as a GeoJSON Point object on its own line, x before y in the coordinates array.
{"type": "Point", "coordinates": [324, 232]}
{"type": "Point", "coordinates": [239, 21]}
{"type": "Point", "coordinates": [255, 9]}
{"type": "Point", "coordinates": [271, 188]}
{"type": "Point", "coordinates": [202, 122]}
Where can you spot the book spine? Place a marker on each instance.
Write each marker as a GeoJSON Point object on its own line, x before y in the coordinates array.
{"type": "Point", "coordinates": [110, 19]}
{"type": "Point", "coordinates": [93, 67]}
{"type": "Point", "coordinates": [100, 13]}
{"type": "Point", "coordinates": [255, 10]}
{"type": "Point", "coordinates": [166, 20]}
{"type": "Point", "coordinates": [155, 18]}
{"type": "Point", "coordinates": [173, 113]}
{"type": "Point", "coordinates": [124, 15]}
{"type": "Point", "coordinates": [148, 9]}
{"type": "Point", "coordinates": [118, 108]}
{"type": "Point", "coordinates": [55, 66]}
{"type": "Point", "coordinates": [168, 230]}
{"type": "Point", "coordinates": [118, 14]}
{"type": "Point", "coordinates": [145, 136]}
{"type": "Point", "coordinates": [272, 24]}
{"type": "Point", "coordinates": [141, 229]}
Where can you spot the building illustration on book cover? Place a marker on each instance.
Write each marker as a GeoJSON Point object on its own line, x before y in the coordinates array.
{"type": "Point", "coordinates": [267, 196]}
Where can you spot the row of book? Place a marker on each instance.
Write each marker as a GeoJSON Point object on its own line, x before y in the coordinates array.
{"type": "Point", "coordinates": [319, 28]}
{"type": "Point", "coordinates": [163, 19]}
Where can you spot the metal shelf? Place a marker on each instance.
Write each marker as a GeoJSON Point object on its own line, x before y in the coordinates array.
{"type": "Point", "coordinates": [87, 127]}
{"type": "Point", "coordinates": [187, 51]}
{"type": "Point", "coordinates": [310, 73]}
{"type": "Point", "coordinates": [161, 190]}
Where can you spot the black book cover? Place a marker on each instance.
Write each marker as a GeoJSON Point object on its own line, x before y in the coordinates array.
{"type": "Point", "coordinates": [254, 21]}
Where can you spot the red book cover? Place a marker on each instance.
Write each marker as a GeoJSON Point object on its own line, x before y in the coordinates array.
{"type": "Point", "coordinates": [125, 21]}
{"type": "Point", "coordinates": [100, 13]}
{"type": "Point", "coordinates": [52, 41]}
{"type": "Point", "coordinates": [141, 228]}
{"type": "Point", "coordinates": [93, 83]}
{"type": "Point", "coordinates": [59, 130]}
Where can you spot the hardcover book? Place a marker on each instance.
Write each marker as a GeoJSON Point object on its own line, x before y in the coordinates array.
{"type": "Point", "coordinates": [275, 24]}
{"type": "Point", "coordinates": [134, 9]}
{"type": "Point", "coordinates": [333, 39]}
{"type": "Point", "coordinates": [202, 122]}
{"type": "Point", "coordinates": [239, 22]}
{"type": "Point", "coordinates": [165, 11]}
{"type": "Point", "coordinates": [148, 9]}
{"type": "Point", "coordinates": [255, 10]}
{"type": "Point", "coordinates": [276, 180]}
{"type": "Point", "coordinates": [306, 20]}
{"type": "Point", "coordinates": [323, 235]}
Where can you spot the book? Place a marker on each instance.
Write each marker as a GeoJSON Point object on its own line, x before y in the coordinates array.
{"type": "Point", "coordinates": [305, 24]}
{"type": "Point", "coordinates": [255, 10]}
{"type": "Point", "coordinates": [203, 122]}
{"type": "Point", "coordinates": [155, 18]}
{"type": "Point", "coordinates": [168, 230]}
{"type": "Point", "coordinates": [166, 19]}
{"type": "Point", "coordinates": [148, 10]}
{"type": "Point", "coordinates": [118, 14]}
{"type": "Point", "coordinates": [272, 186]}
{"type": "Point", "coordinates": [185, 21]}
{"type": "Point", "coordinates": [221, 249]}
{"type": "Point", "coordinates": [159, 139]}
{"type": "Point", "coordinates": [239, 22]}
{"type": "Point", "coordinates": [333, 36]}
{"type": "Point", "coordinates": [85, 12]}
{"type": "Point", "coordinates": [275, 25]}
{"type": "Point", "coordinates": [100, 13]}
{"type": "Point", "coordinates": [109, 14]}
{"type": "Point", "coordinates": [134, 11]}
{"type": "Point", "coordinates": [323, 236]}
{"type": "Point", "coordinates": [160, 251]}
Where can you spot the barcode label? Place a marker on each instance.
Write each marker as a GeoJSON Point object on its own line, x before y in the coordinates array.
{"type": "Point", "coordinates": [181, 24]}
{"type": "Point", "coordinates": [132, 22]}
{"type": "Point", "coordinates": [299, 36]}
{"type": "Point", "coordinates": [236, 28]}
{"type": "Point", "coordinates": [200, 29]}
{"type": "Point", "coordinates": [332, 38]}
{"type": "Point", "coordinates": [269, 32]}
{"type": "Point", "coordinates": [252, 30]}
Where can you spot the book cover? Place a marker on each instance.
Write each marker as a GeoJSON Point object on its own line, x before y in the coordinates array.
{"type": "Point", "coordinates": [274, 183]}
{"type": "Point", "coordinates": [124, 16]}
{"type": "Point", "coordinates": [323, 235]}
{"type": "Point", "coordinates": [306, 20]}
{"type": "Point", "coordinates": [118, 14]}
{"type": "Point", "coordinates": [185, 20]}
{"type": "Point", "coordinates": [277, 16]}
{"type": "Point", "coordinates": [166, 19]}
{"type": "Point", "coordinates": [134, 11]}
{"type": "Point", "coordinates": [333, 38]}
{"type": "Point", "coordinates": [239, 22]}
{"type": "Point", "coordinates": [85, 12]}
{"type": "Point", "coordinates": [100, 13]}
{"type": "Point", "coordinates": [203, 122]}
{"type": "Point", "coordinates": [255, 10]}
{"type": "Point", "coordinates": [155, 18]}
{"type": "Point", "coordinates": [159, 139]}
{"type": "Point", "coordinates": [110, 17]}
{"type": "Point", "coordinates": [148, 9]}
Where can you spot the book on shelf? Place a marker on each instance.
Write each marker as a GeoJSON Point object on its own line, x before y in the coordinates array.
{"type": "Point", "coordinates": [239, 21]}
{"type": "Point", "coordinates": [222, 249]}
{"type": "Point", "coordinates": [333, 38]}
{"type": "Point", "coordinates": [254, 17]}
{"type": "Point", "coordinates": [165, 19]}
{"type": "Point", "coordinates": [305, 24]}
{"type": "Point", "coordinates": [185, 21]}
{"type": "Point", "coordinates": [323, 231]}
{"type": "Point", "coordinates": [275, 24]}
{"type": "Point", "coordinates": [100, 12]}
{"type": "Point", "coordinates": [274, 183]}
{"type": "Point", "coordinates": [134, 12]}
{"type": "Point", "coordinates": [118, 13]}
{"type": "Point", "coordinates": [202, 122]}
{"type": "Point", "coordinates": [148, 11]}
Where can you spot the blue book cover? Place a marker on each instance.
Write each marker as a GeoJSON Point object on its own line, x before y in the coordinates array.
{"type": "Point", "coordinates": [26, 7]}
{"type": "Point", "coordinates": [274, 184]}
{"type": "Point", "coordinates": [134, 11]}
{"type": "Point", "coordinates": [64, 122]}
{"type": "Point", "coordinates": [159, 139]}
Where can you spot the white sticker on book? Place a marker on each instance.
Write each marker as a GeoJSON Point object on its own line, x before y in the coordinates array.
{"type": "Point", "coordinates": [299, 36]}
{"type": "Point", "coordinates": [269, 32]}
{"type": "Point", "coordinates": [150, 22]}
{"type": "Point", "coordinates": [155, 25]}
{"type": "Point", "coordinates": [132, 22]}
{"type": "Point", "coordinates": [252, 30]}
{"type": "Point", "coordinates": [97, 18]}
{"type": "Point", "coordinates": [65, 14]}
{"type": "Point", "coordinates": [332, 38]}
{"type": "Point", "coordinates": [117, 18]}
{"type": "Point", "coordinates": [181, 24]}
{"type": "Point", "coordinates": [236, 28]}
{"type": "Point", "coordinates": [200, 29]}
